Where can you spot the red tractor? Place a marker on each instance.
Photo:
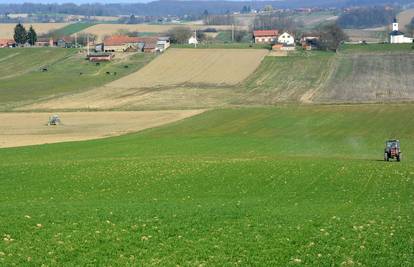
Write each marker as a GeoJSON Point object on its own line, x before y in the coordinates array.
{"type": "Point", "coordinates": [392, 150]}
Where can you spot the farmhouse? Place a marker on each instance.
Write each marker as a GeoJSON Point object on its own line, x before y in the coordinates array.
{"type": "Point", "coordinates": [310, 42]}
{"type": "Point", "coordinates": [397, 37]}
{"type": "Point", "coordinates": [265, 37]}
{"type": "Point", "coordinates": [7, 43]}
{"type": "Point", "coordinates": [65, 42]}
{"type": "Point", "coordinates": [193, 40]}
{"type": "Point", "coordinates": [122, 43]}
{"type": "Point", "coordinates": [286, 39]}
{"type": "Point", "coordinates": [163, 43]}
{"type": "Point", "coordinates": [44, 42]}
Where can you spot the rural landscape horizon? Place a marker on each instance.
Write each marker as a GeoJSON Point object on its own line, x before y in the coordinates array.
{"type": "Point", "coordinates": [207, 133]}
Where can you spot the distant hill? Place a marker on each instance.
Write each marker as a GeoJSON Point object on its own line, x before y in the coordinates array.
{"type": "Point", "coordinates": [179, 8]}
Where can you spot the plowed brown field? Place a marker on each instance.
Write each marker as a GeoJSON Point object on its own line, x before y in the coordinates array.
{"type": "Point", "coordinates": [22, 129]}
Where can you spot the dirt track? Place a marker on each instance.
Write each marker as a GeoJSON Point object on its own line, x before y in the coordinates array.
{"type": "Point", "coordinates": [22, 129]}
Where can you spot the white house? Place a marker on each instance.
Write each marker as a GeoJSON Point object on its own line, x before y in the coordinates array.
{"type": "Point", "coordinates": [397, 37]}
{"type": "Point", "coordinates": [286, 39]}
{"type": "Point", "coordinates": [163, 43]}
{"type": "Point", "coordinates": [193, 40]}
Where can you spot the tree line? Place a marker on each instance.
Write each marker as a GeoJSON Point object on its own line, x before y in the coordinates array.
{"type": "Point", "coordinates": [368, 17]}
{"type": "Point", "coordinates": [22, 36]}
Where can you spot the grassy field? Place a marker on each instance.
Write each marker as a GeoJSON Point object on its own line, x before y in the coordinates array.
{"type": "Point", "coordinates": [72, 29]}
{"type": "Point", "coordinates": [374, 48]}
{"type": "Point", "coordinates": [253, 187]}
{"type": "Point", "coordinates": [289, 78]}
{"type": "Point", "coordinates": [372, 73]}
{"type": "Point", "coordinates": [68, 72]}
{"type": "Point", "coordinates": [205, 78]}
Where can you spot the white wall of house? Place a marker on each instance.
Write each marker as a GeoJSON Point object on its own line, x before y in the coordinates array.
{"type": "Point", "coordinates": [192, 40]}
{"type": "Point", "coordinates": [265, 40]}
{"type": "Point", "coordinates": [286, 38]}
{"type": "Point", "coordinates": [400, 39]}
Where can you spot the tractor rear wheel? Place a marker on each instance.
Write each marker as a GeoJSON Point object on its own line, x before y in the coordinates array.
{"type": "Point", "coordinates": [399, 157]}
{"type": "Point", "coordinates": [386, 158]}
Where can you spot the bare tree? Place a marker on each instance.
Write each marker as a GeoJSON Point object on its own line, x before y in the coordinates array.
{"type": "Point", "coordinates": [332, 36]}
{"type": "Point", "coordinates": [180, 35]}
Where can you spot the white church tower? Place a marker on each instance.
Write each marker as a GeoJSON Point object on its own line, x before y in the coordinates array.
{"type": "Point", "coordinates": [395, 26]}
{"type": "Point", "coordinates": [397, 37]}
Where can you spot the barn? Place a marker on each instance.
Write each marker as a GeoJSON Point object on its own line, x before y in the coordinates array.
{"type": "Point", "coordinates": [265, 36]}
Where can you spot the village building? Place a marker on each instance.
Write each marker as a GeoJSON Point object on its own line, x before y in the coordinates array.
{"type": "Point", "coordinates": [265, 36]}
{"type": "Point", "coordinates": [163, 43]}
{"type": "Point", "coordinates": [45, 42]}
{"type": "Point", "coordinates": [5, 43]}
{"type": "Point", "coordinates": [193, 40]}
{"type": "Point", "coordinates": [122, 43]}
{"type": "Point", "coordinates": [310, 42]}
{"type": "Point", "coordinates": [65, 42]}
{"type": "Point", "coordinates": [398, 37]}
{"type": "Point", "coordinates": [286, 39]}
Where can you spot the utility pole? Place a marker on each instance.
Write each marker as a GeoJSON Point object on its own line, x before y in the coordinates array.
{"type": "Point", "coordinates": [76, 40]}
{"type": "Point", "coordinates": [87, 40]}
{"type": "Point", "coordinates": [232, 33]}
{"type": "Point", "coordinates": [196, 40]}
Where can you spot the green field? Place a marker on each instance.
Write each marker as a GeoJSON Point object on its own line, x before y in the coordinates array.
{"type": "Point", "coordinates": [288, 78]}
{"type": "Point", "coordinates": [21, 78]}
{"type": "Point", "coordinates": [252, 187]}
{"type": "Point", "coordinates": [72, 29]}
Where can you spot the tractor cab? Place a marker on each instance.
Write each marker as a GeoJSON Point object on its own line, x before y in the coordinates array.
{"type": "Point", "coordinates": [392, 150]}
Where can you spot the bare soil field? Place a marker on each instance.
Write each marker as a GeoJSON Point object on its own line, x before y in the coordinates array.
{"type": "Point", "coordinates": [191, 66]}
{"type": "Point", "coordinates": [7, 29]}
{"type": "Point", "coordinates": [102, 30]}
{"type": "Point", "coordinates": [371, 78]}
{"type": "Point", "coordinates": [22, 129]}
{"type": "Point", "coordinates": [405, 18]}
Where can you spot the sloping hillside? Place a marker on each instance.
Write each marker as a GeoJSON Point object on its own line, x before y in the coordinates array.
{"type": "Point", "coordinates": [290, 78]}
{"type": "Point", "coordinates": [23, 80]}
{"type": "Point", "coordinates": [371, 78]}
{"type": "Point", "coordinates": [180, 78]}
{"type": "Point", "coordinates": [211, 67]}
{"type": "Point", "coordinates": [285, 186]}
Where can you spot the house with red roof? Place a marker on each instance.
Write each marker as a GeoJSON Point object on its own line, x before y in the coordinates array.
{"type": "Point", "coordinates": [265, 36]}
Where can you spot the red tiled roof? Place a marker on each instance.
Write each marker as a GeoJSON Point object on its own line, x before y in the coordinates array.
{"type": "Point", "coordinates": [265, 33]}
{"type": "Point", "coordinates": [6, 42]}
{"type": "Point", "coordinates": [119, 40]}
{"type": "Point", "coordinates": [122, 39]}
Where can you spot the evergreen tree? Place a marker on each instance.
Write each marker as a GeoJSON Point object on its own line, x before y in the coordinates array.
{"type": "Point", "coordinates": [20, 34]}
{"type": "Point", "coordinates": [31, 36]}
